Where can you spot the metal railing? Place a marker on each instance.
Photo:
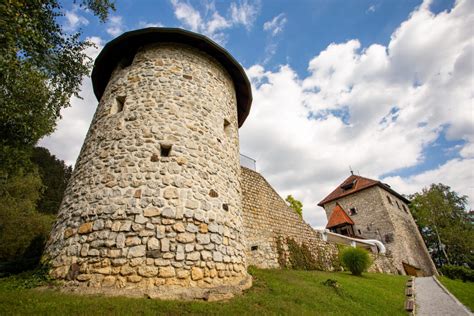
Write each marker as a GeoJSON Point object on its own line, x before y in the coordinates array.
{"type": "Point", "coordinates": [248, 162]}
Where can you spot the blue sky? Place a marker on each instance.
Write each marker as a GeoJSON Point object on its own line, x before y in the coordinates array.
{"type": "Point", "coordinates": [382, 86]}
{"type": "Point", "coordinates": [311, 25]}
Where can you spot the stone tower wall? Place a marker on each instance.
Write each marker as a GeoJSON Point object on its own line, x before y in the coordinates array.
{"type": "Point", "coordinates": [268, 217]}
{"type": "Point", "coordinates": [134, 218]}
{"type": "Point", "coordinates": [376, 218]}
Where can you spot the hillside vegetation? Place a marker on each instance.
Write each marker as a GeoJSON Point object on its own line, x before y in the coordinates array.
{"type": "Point", "coordinates": [274, 292]}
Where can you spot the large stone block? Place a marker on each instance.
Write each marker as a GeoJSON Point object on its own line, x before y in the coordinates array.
{"type": "Point", "coordinates": [137, 251]}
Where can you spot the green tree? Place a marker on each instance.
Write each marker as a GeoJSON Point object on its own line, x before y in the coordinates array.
{"type": "Point", "coordinates": [41, 67]}
{"type": "Point", "coordinates": [54, 175]}
{"type": "Point", "coordinates": [442, 217]}
{"type": "Point", "coordinates": [296, 205]}
{"type": "Point", "coordinates": [22, 229]}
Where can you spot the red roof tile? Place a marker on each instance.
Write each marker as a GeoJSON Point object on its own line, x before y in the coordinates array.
{"type": "Point", "coordinates": [338, 217]}
{"type": "Point", "coordinates": [355, 184]}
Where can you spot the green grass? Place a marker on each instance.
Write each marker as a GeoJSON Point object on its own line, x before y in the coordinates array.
{"type": "Point", "coordinates": [274, 292]}
{"type": "Point", "coordinates": [464, 291]}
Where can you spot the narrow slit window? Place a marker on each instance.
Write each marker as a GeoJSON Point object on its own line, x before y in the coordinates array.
{"type": "Point", "coordinates": [225, 206]}
{"type": "Point", "coordinates": [389, 200]}
{"type": "Point", "coordinates": [227, 128]}
{"type": "Point", "coordinates": [404, 208]}
{"type": "Point", "coordinates": [117, 107]}
{"type": "Point", "coordinates": [398, 205]}
{"type": "Point", "coordinates": [165, 150]}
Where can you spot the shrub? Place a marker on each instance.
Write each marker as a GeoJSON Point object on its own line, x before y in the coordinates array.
{"type": "Point", "coordinates": [458, 272]}
{"type": "Point", "coordinates": [357, 260]}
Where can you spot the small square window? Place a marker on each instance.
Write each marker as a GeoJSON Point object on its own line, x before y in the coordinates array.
{"type": "Point", "coordinates": [165, 150]}
{"type": "Point", "coordinates": [388, 238]}
{"type": "Point", "coordinates": [352, 211]}
{"type": "Point", "coordinates": [117, 106]}
{"type": "Point", "coordinates": [225, 207]}
{"type": "Point", "coordinates": [254, 248]}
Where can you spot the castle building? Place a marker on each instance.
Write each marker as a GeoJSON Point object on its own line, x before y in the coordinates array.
{"type": "Point", "coordinates": [158, 203]}
{"type": "Point", "coordinates": [155, 200]}
{"type": "Point", "coordinates": [368, 209]}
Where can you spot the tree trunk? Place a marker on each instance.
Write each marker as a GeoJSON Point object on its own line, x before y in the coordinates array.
{"type": "Point", "coordinates": [440, 244]}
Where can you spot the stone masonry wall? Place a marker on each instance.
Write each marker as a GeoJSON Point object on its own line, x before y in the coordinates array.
{"type": "Point", "coordinates": [133, 217]}
{"type": "Point", "coordinates": [410, 247]}
{"type": "Point", "coordinates": [377, 219]}
{"type": "Point", "coordinates": [267, 217]}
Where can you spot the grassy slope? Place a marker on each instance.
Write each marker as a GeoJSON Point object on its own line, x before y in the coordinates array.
{"type": "Point", "coordinates": [274, 292]}
{"type": "Point", "coordinates": [464, 291]}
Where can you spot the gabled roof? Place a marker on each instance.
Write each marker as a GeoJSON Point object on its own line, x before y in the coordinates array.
{"type": "Point", "coordinates": [338, 218]}
{"type": "Point", "coordinates": [355, 184]}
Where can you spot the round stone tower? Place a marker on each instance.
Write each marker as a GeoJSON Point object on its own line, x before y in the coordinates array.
{"type": "Point", "coordinates": [154, 203]}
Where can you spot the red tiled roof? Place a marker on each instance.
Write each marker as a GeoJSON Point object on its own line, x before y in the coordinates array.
{"type": "Point", "coordinates": [359, 184]}
{"type": "Point", "coordinates": [338, 217]}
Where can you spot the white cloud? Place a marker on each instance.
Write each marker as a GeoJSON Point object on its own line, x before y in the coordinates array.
{"type": "Point", "coordinates": [373, 108]}
{"type": "Point", "coordinates": [188, 15]}
{"type": "Point", "coordinates": [74, 20]}
{"type": "Point", "coordinates": [143, 24]}
{"type": "Point", "coordinates": [115, 26]}
{"type": "Point", "coordinates": [216, 23]}
{"type": "Point", "coordinates": [210, 22]}
{"type": "Point", "coordinates": [94, 51]}
{"type": "Point", "coordinates": [371, 9]}
{"type": "Point", "coordinates": [467, 151]}
{"type": "Point", "coordinates": [244, 13]}
{"type": "Point", "coordinates": [276, 25]}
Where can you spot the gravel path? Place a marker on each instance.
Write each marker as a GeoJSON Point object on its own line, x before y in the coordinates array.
{"type": "Point", "coordinates": [431, 299]}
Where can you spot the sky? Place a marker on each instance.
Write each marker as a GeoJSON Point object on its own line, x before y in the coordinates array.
{"type": "Point", "coordinates": [384, 88]}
